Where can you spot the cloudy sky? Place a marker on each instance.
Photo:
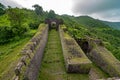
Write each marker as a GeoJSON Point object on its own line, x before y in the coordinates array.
{"type": "Point", "coordinates": [101, 9]}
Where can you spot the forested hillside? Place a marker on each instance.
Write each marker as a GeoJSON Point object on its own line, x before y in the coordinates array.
{"type": "Point", "coordinates": [115, 25]}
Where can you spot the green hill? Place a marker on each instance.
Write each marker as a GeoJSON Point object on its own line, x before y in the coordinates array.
{"type": "Point", "coordinates": [90, 22]}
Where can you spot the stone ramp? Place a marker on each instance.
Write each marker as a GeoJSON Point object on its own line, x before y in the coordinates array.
{"type": "Point", "coordinates": [103, 58]}
{"type": "Point", "coordinates": [75, 59]}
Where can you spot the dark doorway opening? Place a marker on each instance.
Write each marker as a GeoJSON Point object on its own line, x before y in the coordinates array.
{"type": "Point", "coordinates": [84, 45]}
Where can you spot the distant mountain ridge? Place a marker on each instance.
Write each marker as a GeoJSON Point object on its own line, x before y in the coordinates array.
{"type": "Point", "coordinates": [89, 21]}
{"type": "Point", "coordinates": [115, 25]}
{"type": "Point", "coordinates": [84, 20]}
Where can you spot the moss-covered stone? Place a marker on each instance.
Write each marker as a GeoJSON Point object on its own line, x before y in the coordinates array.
{"type": "Point", "coordinates": [75, 59]}
{"type": "Point", "coordinates": [104, 59]}
{"type": "Point", "coordinates": [29, 51]}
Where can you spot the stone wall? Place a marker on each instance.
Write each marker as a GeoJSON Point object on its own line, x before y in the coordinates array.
{"type": "Point", "coordinates": [95, 74]}
{"type": "Point", "coordinates": [57, 22]}
{"type": "Point", "coordinates": [113, 78]}
{"type": "Point", "coordinates": [31, 55]}
{"type": "Point", "coordinates": [104, 59]}
{"type": "Point", "coordinates": [75, 59]}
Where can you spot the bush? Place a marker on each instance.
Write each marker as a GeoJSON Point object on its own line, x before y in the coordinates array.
{"type": "Point", "coordinates": [10, 33]}
{"type": "Point", "coordinates": [6, 34]}
{"type": "Point", "coordinates": [19, 31]}
{"type": "Point", "coordinates": [34, 25]}
{"type": "Point", "coordinates": [24, 28]}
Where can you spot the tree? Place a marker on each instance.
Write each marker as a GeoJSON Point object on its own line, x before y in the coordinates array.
{"type": "Point", "coordinates": [16, 16]}
{"type": "Point", "coordinates": [38, 9]}
{"type": "Point", "coordinates": [51, 14]}
{"type": "Point", "coordinates": [2, 9]}
{"type": "Point", "coordinates": [17, 19]}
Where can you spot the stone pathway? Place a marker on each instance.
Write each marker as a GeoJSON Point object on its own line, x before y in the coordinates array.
{"type": "Point", "coordinates": [52, 67]}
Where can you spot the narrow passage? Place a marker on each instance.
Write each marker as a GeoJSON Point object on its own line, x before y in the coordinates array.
{"type": "Point", "coordinates": [52, 67]}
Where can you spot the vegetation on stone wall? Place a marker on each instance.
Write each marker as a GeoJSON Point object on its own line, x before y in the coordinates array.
{"type": "Point", "coordinates": [75, 59]}
{"type": "Point", "coordinates": [28, 52]}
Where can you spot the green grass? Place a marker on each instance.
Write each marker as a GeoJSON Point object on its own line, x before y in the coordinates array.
{"type": "Point", "coordinates": [9, 56]}
{"type": "Point", "coordinates": [53, 67]}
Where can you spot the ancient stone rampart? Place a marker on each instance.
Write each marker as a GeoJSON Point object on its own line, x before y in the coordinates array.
{"type": "Point", "coordinates": [101, 56]}
{"type": "Point", "coordinates": [31, 55]}
{"type": "Point", "coordinates": [75, 59]}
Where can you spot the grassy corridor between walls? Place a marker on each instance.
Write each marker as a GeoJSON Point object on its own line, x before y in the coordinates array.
{"type": "Point", "coordinates": [52, 67]}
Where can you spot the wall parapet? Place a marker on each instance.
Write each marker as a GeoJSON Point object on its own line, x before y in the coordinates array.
{"type": "Point", "coordinates": [75, 59]}
{"type": "Point", "coordinates": [31, 55]}
{"type": "Point", "coordinates": [102, 57]}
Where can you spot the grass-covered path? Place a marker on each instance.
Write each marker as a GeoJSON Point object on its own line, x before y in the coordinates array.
{"type": "Point", "coordinates": [52, 67]}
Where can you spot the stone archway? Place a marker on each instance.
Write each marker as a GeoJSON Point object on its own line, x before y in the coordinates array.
{"type": "Point", "coordinates": [53, 23]}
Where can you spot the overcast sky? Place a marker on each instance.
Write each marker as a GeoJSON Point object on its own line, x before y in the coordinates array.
{"type": "Point", "coordinates": [101, 9]}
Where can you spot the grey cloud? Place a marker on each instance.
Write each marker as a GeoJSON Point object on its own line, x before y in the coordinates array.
{"type": "Point", "coordinates": [10, 3]}
{"type": "Point", "coordinates": [111, 15]}
{"type": "Point", "coordinates": [93, 6]}
{"type": "Point", "coordinates": [105, 9]}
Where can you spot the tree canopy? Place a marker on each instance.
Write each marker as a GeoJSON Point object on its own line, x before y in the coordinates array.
{"type": "Point", "coordinates": [16, 16]}
{"type": "Point", "coordinates": [51, 14]}
{"type": "Point", "coordinates": [2, 9]}
{"type": "Point", "coordinates": [38, 9]}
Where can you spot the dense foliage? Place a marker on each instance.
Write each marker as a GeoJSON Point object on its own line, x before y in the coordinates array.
{"type": "Point", "coordinates": [2, 9]}
{"type": "Point", "coordinates": [38, 9]}
{"type": "Point", "coordinates": [115, 25]}
{"type": "Point", "coordinates": [17, 23]}
{"type": "Point", "coordinates": [51, 14]}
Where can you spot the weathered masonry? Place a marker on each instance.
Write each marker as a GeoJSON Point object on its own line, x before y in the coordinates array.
{"type": "Point", "coordinates": [96, 52]}
{"type": "Point", "coordinates": [53, 23]}
{"type": "Point", "coordinates": [75, 59]}
{"type": "Point", "coordinates": [31, 55]}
